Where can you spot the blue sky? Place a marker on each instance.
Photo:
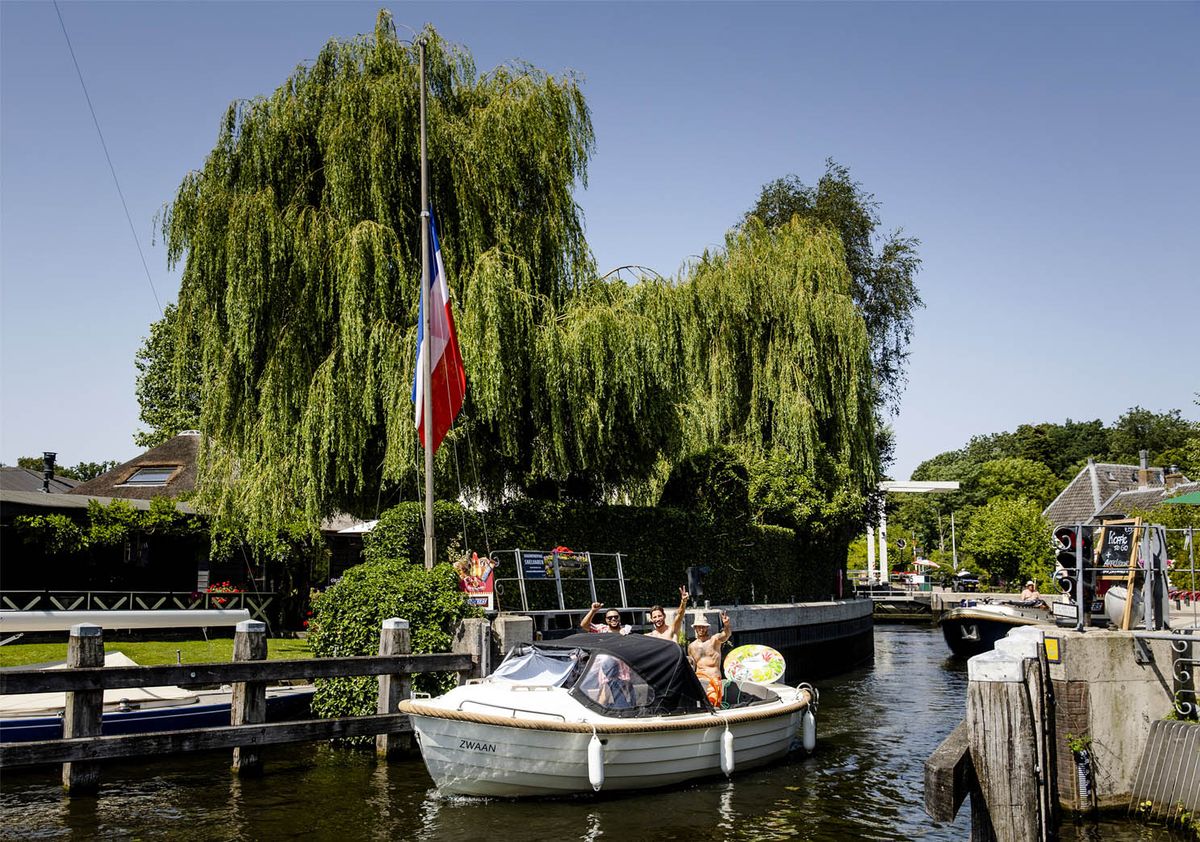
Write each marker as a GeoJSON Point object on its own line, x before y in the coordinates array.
{"type": "Point", "coordinates": [1043, 153]}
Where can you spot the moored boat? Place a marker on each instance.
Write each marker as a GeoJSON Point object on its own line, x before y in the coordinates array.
{"type": "Point", "coordinates": [601, 711]}
{"type": "Point", "coordinates": [140, 710]}
{"type": "Point", "coordinates": [975, 625]}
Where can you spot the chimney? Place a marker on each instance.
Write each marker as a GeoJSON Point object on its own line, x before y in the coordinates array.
{"type": "Point", "coordinates": [48, 458]}
{"type": "Point", "coordinates": [1173, 477]}
{"type": "Point", "coordinates": [1143, 469]}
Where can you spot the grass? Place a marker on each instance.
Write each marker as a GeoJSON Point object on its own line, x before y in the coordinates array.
{"type": "Point", "coordinates": [151, 653]}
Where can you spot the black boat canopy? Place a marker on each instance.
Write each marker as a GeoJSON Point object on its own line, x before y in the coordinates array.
{"type": "Point", "coordinates": [659, 680]}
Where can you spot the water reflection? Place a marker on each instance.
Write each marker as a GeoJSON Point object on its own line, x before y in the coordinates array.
{"type": "Point", "coordinates": [875, 728]}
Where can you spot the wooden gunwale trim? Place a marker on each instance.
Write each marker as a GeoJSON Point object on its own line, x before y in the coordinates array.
{"type": "Point", "coordinates": [716, 720]}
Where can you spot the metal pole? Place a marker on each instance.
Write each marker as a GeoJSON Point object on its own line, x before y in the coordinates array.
{"type": "Point", "coordinates": [1080, 608]}
{"type": "Point", "coordinates": [884, 570]}
{"type": "Point", "coordinates": [1192, 563]}
{"type": "Point", "coordinates": [953, 545]}
{"type": "Point", "coordinates": [870, 555]}
{"type": "Point", "coordinates": [426, 361]}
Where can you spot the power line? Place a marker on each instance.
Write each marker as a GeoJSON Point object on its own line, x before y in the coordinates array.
{"type": "Point", "coordinates": [108, 158]}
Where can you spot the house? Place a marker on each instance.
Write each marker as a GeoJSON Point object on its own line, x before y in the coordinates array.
{"type": "Point", "coordinates": [24, 479]}
{"type": "Point", "coordinates": [1106, 491]}
{"type": "Point", "coordinates": [168, 470]}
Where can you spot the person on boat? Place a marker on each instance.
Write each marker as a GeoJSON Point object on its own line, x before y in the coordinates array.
{"type": "Point", "coordinates": [1030, 593]}
{"type": "Point", "coordinates": [611, 624]}
{"type": "Point", "coordinates": [705, 655]}
{"type": "Point", "coordinates": [658, 618]}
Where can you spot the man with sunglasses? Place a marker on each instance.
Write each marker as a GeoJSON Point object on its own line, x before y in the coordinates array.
{"type": "Point", "coordinates": [611, 624]}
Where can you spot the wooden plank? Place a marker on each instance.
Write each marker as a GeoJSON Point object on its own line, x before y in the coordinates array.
{"type": "Point", "coordinates": [201, 739]}
{"type": "Point", "coordinates": [103, 678]}
{"type": "Point", "coordinates": [949, 775]}
{"type": "Point", "coordinates": [84, 708]}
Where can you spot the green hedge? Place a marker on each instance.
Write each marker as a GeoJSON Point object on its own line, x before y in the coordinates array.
{"type": "Point", "coordinates": [748, 563]}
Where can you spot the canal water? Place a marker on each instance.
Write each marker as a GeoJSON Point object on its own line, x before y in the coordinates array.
{"type": "Point", "coordinates": [876, 726]}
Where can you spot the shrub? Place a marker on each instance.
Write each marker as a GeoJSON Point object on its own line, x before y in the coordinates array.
{"type": "Point", "coordinates": [347, 618]}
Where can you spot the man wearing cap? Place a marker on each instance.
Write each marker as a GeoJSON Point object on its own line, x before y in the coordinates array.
{"type": "Point", "coordinates": [1030, 593]}
{"type": "Point", "coordinates": [705, 654]}
{"type": "Point", "coordinates": [658, 618]}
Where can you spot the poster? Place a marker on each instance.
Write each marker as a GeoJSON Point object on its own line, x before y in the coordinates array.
{"type": "Point", "coordinates": [476, 580]}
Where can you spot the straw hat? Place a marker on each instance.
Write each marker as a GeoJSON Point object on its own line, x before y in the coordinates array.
{"type": "Point", "coordinates": [700, 620]}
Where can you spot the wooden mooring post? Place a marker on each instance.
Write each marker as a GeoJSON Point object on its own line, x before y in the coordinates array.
{"type": "Point", "coordinates": [394, 639]}
{"type": "Point", "coordinates": [249, 703]}
{"type": "Point", "coordinates": [81, 718]}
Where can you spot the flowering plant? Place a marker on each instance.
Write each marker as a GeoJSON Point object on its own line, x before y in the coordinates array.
{"type": "Point", "coordinates": [222, 587]}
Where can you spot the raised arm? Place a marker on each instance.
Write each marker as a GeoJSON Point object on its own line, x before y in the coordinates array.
{"type": "Point", "coordinates": [586, 622]}
{"type": "Point", "coordinates": [726, 630]}
{"type": "Point", "coordinates": [677, 620]}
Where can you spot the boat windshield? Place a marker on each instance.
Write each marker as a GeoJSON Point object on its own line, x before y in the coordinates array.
{"type": "Point", "coordinates": [546, 667]}
{"type": "Point", "coordinates": [613, 685]}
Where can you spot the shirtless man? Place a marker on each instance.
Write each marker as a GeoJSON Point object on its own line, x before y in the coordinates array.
{"type": "Point", "coordinates": [612, 621]}
{"type": "Point", "coordinates": [705, 655]}
{"type": "Point", "coordinates": [658, 619]}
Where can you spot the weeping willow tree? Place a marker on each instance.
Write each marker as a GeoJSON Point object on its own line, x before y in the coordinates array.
{"type": "Point", "coordinates": [776, 352]}
{"type": "Point", "coordinates": [301, 262]}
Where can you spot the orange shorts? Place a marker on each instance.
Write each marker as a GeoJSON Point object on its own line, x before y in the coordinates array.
{"type": "Point", "coordinates": [712, 688]}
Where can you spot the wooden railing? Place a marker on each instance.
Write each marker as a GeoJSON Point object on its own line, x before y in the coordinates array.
{"type": "Point", "coordinates": [85, 680]}
{"type": "Point", "coordinates": [258, 604]}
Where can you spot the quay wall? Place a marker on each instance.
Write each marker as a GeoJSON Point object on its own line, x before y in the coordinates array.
{"type": "Point", "coordinates": [1103, 692]}
{"type": "Point", "coordinates": [1081, 705]}
{"type": "Point", "coordinates": [817, 639]}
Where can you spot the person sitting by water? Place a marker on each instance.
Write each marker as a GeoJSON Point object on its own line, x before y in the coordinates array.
{"type": "Point", "coordinates": [1030, 593]}
{"type": "Point", "coordinates": [612, 621]}
{"type": "Point", "coordinates": [658, 618]}
{"type": "Point", "coordinates": [705, 655]}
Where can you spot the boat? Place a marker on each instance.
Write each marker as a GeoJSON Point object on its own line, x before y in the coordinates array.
{"type": "Point", "coordinates": [593, 712]}
{"type": "Point", "coordinates": [139, 710]}
{"type": "Point", "coordinates": [974, 626]}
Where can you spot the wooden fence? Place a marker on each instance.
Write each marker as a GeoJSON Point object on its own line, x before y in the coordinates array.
{"type": "Point", "coordinates": [86, 679]}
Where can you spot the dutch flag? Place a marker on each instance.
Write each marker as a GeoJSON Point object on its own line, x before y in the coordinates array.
{"type": "Point", "coordinates": [448, 380]}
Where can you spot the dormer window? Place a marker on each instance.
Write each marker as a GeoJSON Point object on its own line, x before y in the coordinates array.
{"type": "Point", "coordinates": [150, 476]}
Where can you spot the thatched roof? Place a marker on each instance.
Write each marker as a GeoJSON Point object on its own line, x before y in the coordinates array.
{"type": "Point", "coordinates": [137, 479]}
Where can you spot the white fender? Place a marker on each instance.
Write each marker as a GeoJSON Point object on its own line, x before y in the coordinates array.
{"type": "Point", "coordinates": [808, 725]}
{"type": "Point", "coordinates": [727, 751]}
{"type": "Point", "coordinates": [595, 763]}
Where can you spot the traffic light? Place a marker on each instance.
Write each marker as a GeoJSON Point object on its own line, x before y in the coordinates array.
{"type": "Point", "coordinates": [695, 581]}
{"type": "Point", "coordinates": [1065, 538]}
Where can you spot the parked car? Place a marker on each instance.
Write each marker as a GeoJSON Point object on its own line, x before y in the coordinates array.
{"type": "Point", "coordinates": [965, 582]}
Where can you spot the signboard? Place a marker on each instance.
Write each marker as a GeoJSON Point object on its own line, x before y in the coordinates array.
{"type": "Point", "coordinates": [536, 564]}
{"type": "Point", "coordinates": [1118, 547]}
{"type": "Point", "coordinates": [539, 564]}
{"type": "Point", "coordinates": [477, 580]}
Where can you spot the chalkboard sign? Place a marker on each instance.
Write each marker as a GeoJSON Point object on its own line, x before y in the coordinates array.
{"type": "Point", "coordinates": [1118, 545]}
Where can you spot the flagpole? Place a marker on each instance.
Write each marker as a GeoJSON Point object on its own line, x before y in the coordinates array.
{"type": "Point", "coordinates": [427, 397]}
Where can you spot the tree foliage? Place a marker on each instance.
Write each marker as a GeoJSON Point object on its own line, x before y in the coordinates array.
{"type": "Point", "coordinates": [1011, 540]}
{"type": "Point", "coordinates": [299, 239]}
{"type": "Point", "coordinates": [300, 257]}
{"type": "Point", "coordinates": [168, 380]}
{"type": "Point", "coordinates": [882, 268]}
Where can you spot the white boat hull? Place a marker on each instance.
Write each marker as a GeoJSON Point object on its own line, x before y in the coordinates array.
{"type": "Point", "coordinates": [486, 759]}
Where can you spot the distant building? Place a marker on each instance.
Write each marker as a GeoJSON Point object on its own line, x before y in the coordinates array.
{"type": "Point", "coordinates": [24, 479]}
{"type": "Point", "coordinates": [1104, 491]}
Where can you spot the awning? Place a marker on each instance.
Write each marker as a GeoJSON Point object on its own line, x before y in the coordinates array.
{"type": "Point", "coordinates": [1190, 499]}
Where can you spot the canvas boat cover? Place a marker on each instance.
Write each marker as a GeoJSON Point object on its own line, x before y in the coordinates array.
{"type": "Point", "coordinates": [670, 686]}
